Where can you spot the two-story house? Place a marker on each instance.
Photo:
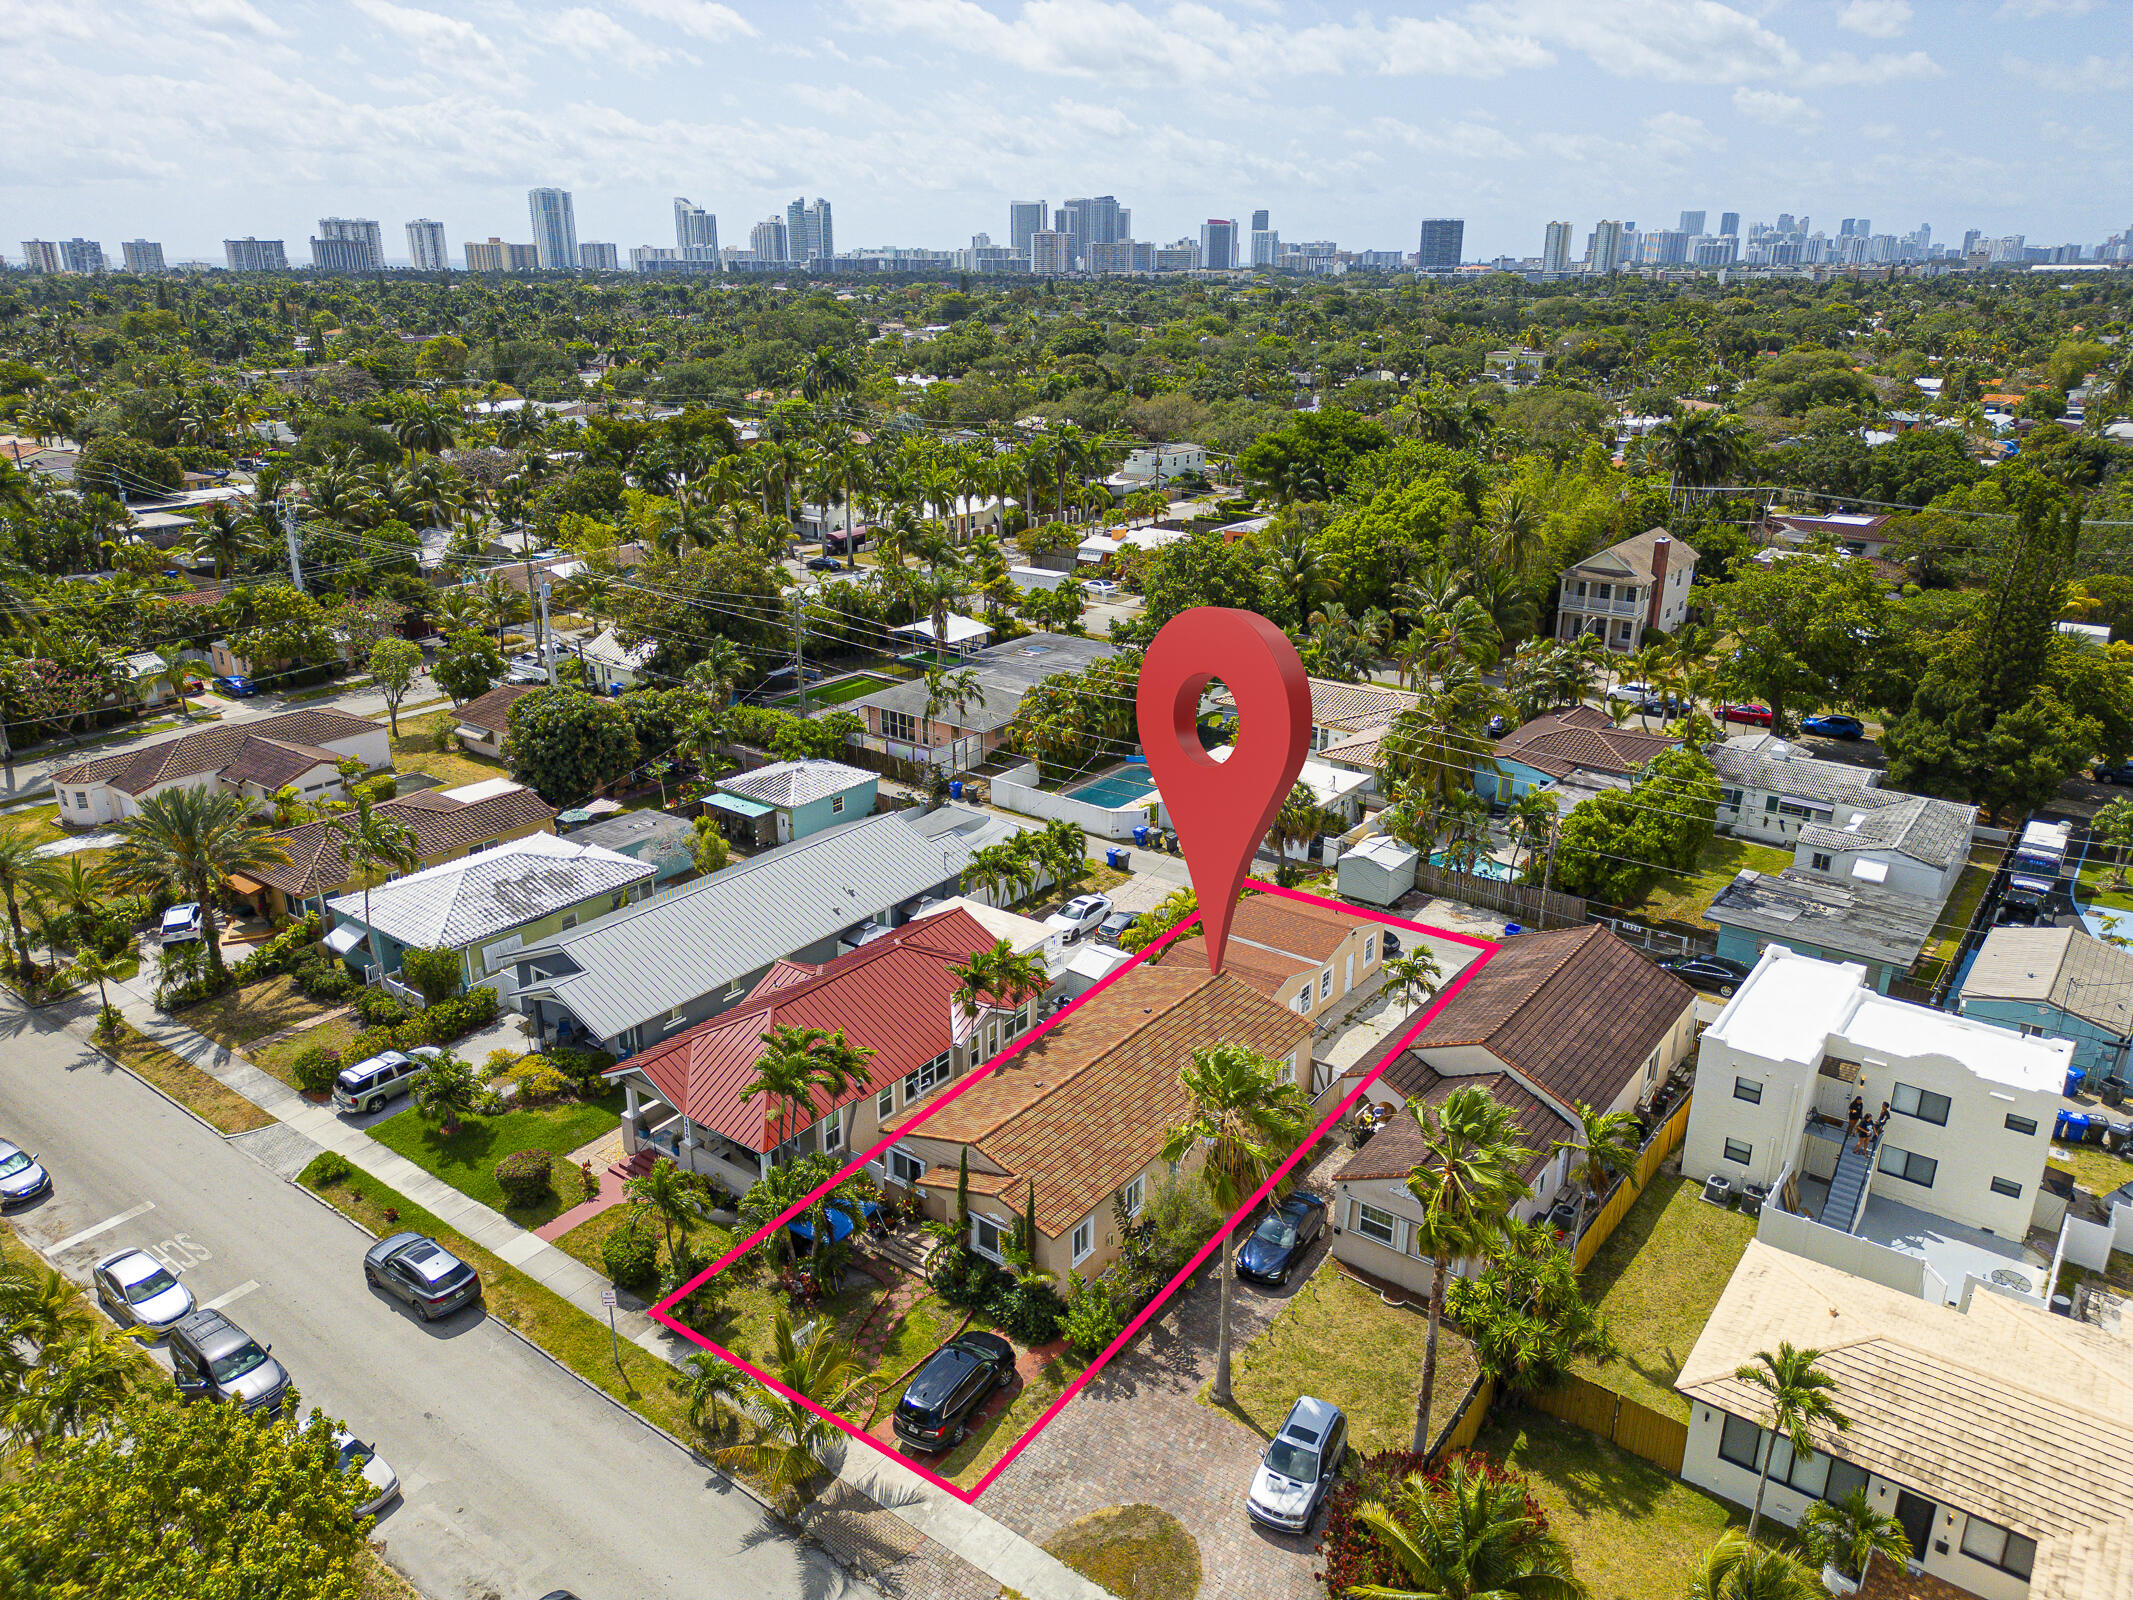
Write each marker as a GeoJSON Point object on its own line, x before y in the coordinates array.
{"type": "Point", "coordinates": [1575, 752]}
{"type": "Point", "coordinates": [1307, 957]}
{"type": "Point", "coordinates": [1627, 590]}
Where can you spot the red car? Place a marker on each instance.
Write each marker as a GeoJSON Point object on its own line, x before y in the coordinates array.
{"type": "Point", "coordinates": [1758, 716]}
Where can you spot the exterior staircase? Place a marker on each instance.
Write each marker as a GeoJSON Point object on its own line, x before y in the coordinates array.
{"type": "Point", "coordinates": [1847, 1184]}
{"type": "Point", "coordinates": [635, 1166]}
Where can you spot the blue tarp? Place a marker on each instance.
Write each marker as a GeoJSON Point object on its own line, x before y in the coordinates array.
{"type": "Point", "coordinates": [839, 1218]}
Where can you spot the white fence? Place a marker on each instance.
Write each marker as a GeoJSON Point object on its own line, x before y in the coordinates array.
{"type": "Point", "coordinates": [1018, 791]}
{"type": "Point", "coordinates": [1847, 1252]}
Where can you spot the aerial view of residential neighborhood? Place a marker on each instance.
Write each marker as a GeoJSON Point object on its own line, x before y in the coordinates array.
{"type": "Point", "coordinates": [1397, 868]}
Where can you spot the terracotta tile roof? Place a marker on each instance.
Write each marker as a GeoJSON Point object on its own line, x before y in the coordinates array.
{"type": "Point", "coordinates": [489, 711]}
{"type": "Point", "coordinates": [1575, 1012]}
{"type": "Point", "coordinates": [1354, 706]}
{"type": "Point", "coordinates": [1581, 737]}
{"type": "Point", "coordinates": [212, 749]}
{"type": "Point", "coordinates": [1396, 1149]}
{"type": "Point", "coordinates": [1272, 972]}
{"type": "Point", "coordinates": [441, 826]}
{"type": "Point", "coordinates": [1296, 927]}
{"type": "Point", "coordinates": [274, 762]}
{"type": "Point", "coordinates": [892, 996]}
{"type": "Point", "coordinates": [1085, 1108]}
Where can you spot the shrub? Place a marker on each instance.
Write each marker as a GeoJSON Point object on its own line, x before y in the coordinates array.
{"type": "Point", "coordinates": [539, 1083]}
{"type": "Point", "coordinates": [379, 1009]}
{"type": "Point", "coordinates": [631, 1257]}
{"type": "Point", "coordinates": [524, 1177]}
{"type": "Point", "coordinates": [584, 1068]}
{"type": "Point", "coordinates": [323, 980]}
{"type": "Point", "coordinates": [1092, 1318]}
{"type": "Point", "coordinates": [327, 1168]}
{"type": "Point", "coordinates": [289, 949]}
{"type": "Point", "coordinates": [1353, 1556]}
{"type": "Point", "coordinates": [314, 1068]}
{"type": "Point", "coordinates": [435, 973]}
{"type": "Point", "coordinates": [1030, 1312]}
{"type": "Point", "coordinates": [500, 1060]}
{"type": "Point", "coordinates": [383, 787]}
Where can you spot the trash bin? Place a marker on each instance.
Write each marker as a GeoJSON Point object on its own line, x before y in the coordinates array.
{"type": "Point", "coordinates": [2074, 1078]}
{"type": "Point", "coordinates": [1115, 860]}
{"type": "Point", "coordinates": [1509, 928]}
{"type": "Point", "coordinates": [2062, 1305]}
{"type": "Point", "coordinates": [2072, 1127]}
{"type": "Point", "coordinates": [1140, 837]}
{"type": "Point", "coordinates": [955, 789]}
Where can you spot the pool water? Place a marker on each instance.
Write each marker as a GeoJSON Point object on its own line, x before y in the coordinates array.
{"type": "Point", "coordinates": [1115, 789]}
{"type": "Point", "coordinates": [1486, 867]}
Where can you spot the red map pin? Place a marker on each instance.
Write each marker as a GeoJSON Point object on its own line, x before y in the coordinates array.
{"type": "Point", "coordinates": [1223, 808]}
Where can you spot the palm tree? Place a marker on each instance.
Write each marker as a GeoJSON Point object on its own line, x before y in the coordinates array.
{"type": "Point", "coordinates": [706, 1382]}
{"type": "Point", "coordinates": [1737, 1568]}
{"type": "Point", "coordinates": [448, 1090]}
{"type": "Point", "coordinates": [1604, 1150]}
{"type": "Point", "coordinates": [91, 966]}
{"type": "Point", "coordinates": [783, 1456]}
{"type": "Point", "coordinates": [1799, 1393]}
{"type": "Point", "coordinates": [1467, 1184]}
{"type": "Point", "coordinates": [1698, 448]}
{"type": "Point", "coordinates": [23, 874]}
{"type": "Point", "coordinates": [1244, 1123]}
{"type": "Point", "coordinates": [661, 1191]}
{"type": "Point", "coordinates": [39, 1306]}
{"type": "Point", "coordinates": [370, 841]}
{"type": "Point", "coordinates": [78, 1382]}
{"type": "Point", "coordinates": [226, 539]}
{"type": "Point", "coordinates": [1417, 970]}
{"type": "Point", "coordinates": [1468, 1536]}
{"type": "Point", "coordinates": [1532, 821]}
{"type": "Point", "coordinates": [1851, 1532]}
{"type": "Point", "coordinates": [828, 375]}
{"type": "Point", "coordinates": [1063, 847]}
{"type": "Point", "coordinates": [997, 977]}
{"type": "Point", "coordinates": [797, 1063]}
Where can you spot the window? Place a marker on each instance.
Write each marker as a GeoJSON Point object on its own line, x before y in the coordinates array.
{"type": "Point", "coordinates": [830, 1132]}
{"type": "Point", "coordinates": [673, 1015]}
{"type": "Point", "coordinates": [1603, 591]}
{"type": "Point", "coordinates": [1749, 1090]}
{"type": "Point", "coordinates": [1325, 984]}
{"type": "Point", "coordinates": [1370, 946]}
{"type": "Point", "coordinates": [1740, 1442]}
{"type": "Point", "coordinates": [1372, 1223]}
{"type": "Point", "coordinates": [2017, 1124]}
{"type": "Point", "coordinates": [1923, 1104]}
{"type": "Point", "coordinates": [1302, 1002]}
{"type": "Point", "coordinates": [904, 1167]}
{"type": "Point", "coordinates": [2008, 1187]}
{"type": "Point", "coordinates": [885, 1104]}
{"type": "Point", "coordinates": [1909, 1166]}
{"type": "Point", "coordinates": [837, 806]}
{"type": "Point", "coordinates": [1770, 802]}
{"type": "Point", "coordinates": [1729, 797]}
{"type": "Point", "coordinates": [926, 1079]}
{"type": "Point", "coordinates": [899, 725]}
{"type": "Point", "coordinates": [1084, 1240]}
{"type": "Point", "coordinates": [986, 1236]}
{"type": "Point", "coordinates": [1818, 861]}
{"type": "Point", "coordinates": [1134, 1195]}
{"type": "Point", "coordinates": [1287, 1070]}
{"type": "Point", "coordinates": [1742, 1153]}
{"type": "Point", "coordinates": [1997, 1547]}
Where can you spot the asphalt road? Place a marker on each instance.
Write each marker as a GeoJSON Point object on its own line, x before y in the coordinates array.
{"type": "Point", "coordinates": [517, 1479]}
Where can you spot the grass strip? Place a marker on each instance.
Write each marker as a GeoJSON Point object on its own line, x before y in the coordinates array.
{"type": "Point", "coordinates": [213, 1101]}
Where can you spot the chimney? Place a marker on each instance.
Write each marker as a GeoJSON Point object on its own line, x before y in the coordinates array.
{"type": "Point", "coordinates": [1661, 548]}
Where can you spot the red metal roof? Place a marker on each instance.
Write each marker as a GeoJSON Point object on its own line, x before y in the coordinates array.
{"type": "Point", "coordinates": [892, 996]}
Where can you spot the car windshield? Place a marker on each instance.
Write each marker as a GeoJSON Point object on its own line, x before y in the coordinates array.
{"type": "Point", "coordinates": [157, 1282]}
{"type": "Point", "coordinates": [1277, 1231]}
{"type": "Point", "coordinates": [355, 1454]}
{"type": "Point", "coordinates": [13, 1162]}
{"type": "Point", "coordinates": [1292, 1461]}
{"type": "Point", "coordinates": [238, 1362]}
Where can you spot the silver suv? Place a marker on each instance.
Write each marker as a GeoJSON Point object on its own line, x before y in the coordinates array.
{"type": "Point", "coordinates": [1298, 1466]}
{"type": "Point", "coordinates": [369, 1084]}
{"type": "Point", "coordinates": [214, 1359]}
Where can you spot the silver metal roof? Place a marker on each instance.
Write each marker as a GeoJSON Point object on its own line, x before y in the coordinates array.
{"type": "Point", "coordinates": [787, 784]}
{"type": "Point", "coordinates": [475, 897]}
{"type": "Point", "coordinates": [1006, 672]}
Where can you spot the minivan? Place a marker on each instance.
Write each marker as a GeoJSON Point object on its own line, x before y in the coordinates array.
{"type": "Point", "coordinates": [214, 1359]}
{"type": "Point", "coordinates": [369, 1084]}
{"type": "Point", "coordinates": [936, 1408]}
{"type": "Point", "coordinates": [1298, 1467]}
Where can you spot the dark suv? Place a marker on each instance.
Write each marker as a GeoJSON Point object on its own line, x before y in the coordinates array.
{"type": "Point", "coordinates": [419, 1270]}
{"type": "Point", "coordinates": [214, 1359]}
{"type": "Point", "coordinates": [936, 1409]}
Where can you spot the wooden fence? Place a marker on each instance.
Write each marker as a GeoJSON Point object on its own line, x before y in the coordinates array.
{"type": "Point", "coordinates": [1665, 1140]}
{"type": "Point", "coordinates": [1661, 1440]}
{"type": "Point", "coordinates": [1522, 903]}
{"type": "Point", "coordinates": [1465, 1426]}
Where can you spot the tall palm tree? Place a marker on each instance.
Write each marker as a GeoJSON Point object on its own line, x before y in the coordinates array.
{"type": "Point", "coordinates": [24, 874]}
{"type": "Point", "coordinates": [39, 1306]}
{"type": "Point", "coordinates": [706, 1382]}
{"type": "Point", "coordinates": [372, 843]}
{"type": "Point", "coordinates": [1851, 1532]}
{"type": "Point", "coordinates": [192, 841]}
{"type": "Point", "coordinates": [998, 977]}
{"type": "Point", "coordinates": [783, 1457]}
{"type": "Point", "coordinates": [796, 1063]}
{"type": "Point", "coordinates": [1604, 1150]}
{"type": "Point", "coordinates": [91, 966]}
{"type": "Point", "coordinates": [661, 1191]}
{"type": "Point", "coordinates": [1467, 1183]}
{"type": "Point", "coordinates": [1698, 448]}
{"type": "Point", "coordinates": [1737, 1568]}
{"type": "Point", "coordinates": [1467, 1536]}
{"type": "Point", "coordinates": [1418, 969]}
{"type": "Point", "coordinates": [1532, 820]}
{"type": "Point", "coordinates": [1799, 1394]}
{"type": "Point", "coordinates": [1244, 1123]}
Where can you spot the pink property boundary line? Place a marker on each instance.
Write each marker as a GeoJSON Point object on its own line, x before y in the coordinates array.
{"type": "Point", "coordinates": [658, 1312]}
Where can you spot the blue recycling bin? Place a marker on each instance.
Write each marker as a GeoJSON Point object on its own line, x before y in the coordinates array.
{"type": "Point", "coordinates": [1116, 859]}
{"type": "Point", "coordinates": [955, 789]}
{"type": "Point", "coordinates": [1510, 928]}
{"type": "Point", "coordinates": [2074, 1080]}
{"type": "Point", "coordinates": [2072, 1127]}
{"type": "Point", "coordinates": [1140, 836]}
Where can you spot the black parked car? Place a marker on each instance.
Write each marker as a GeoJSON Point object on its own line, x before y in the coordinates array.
{"type": "Point", "coordinates": [1712, 974]}
{"type": "Point", "coordinates": [422, 1272]}
{"type": "Point", "coordinates": [1282, 1237]}
{"type": "Point", "coordinates": [936, 1409]}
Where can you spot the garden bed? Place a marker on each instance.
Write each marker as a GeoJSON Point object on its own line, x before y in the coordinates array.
{"type": "Point", "coordinates": [467, 1159]}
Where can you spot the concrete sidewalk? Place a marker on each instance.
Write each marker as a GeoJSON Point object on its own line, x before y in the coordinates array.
{"type": "Point", "coordinates": [961, 1530]}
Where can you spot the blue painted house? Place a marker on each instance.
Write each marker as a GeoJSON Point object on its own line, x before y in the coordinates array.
{"type": "Point", "coordinates": [792, 799]}
{"type": "Point", "coordinates": [1580, 748]}
{"type": "Point", "coordinates": [2058, 981]}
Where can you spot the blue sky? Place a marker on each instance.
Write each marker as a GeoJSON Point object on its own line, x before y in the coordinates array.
{"type": "Point", "coordinates": [189, 120]}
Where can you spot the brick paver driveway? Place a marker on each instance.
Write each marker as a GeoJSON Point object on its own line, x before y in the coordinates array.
{"type": "Point", "coordinates": [1138, 1436]}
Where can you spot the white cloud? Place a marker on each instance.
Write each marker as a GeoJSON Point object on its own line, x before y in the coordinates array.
{"type": "Point", "coordinates": [1843, 70]}
{"type": "Point", "coordinates": [433, 31]}
{"type": "Point", "coordinates": [1674, 41]}
{"type": "Point", "coordinates": [1768, 105]}
{"type": "Point", "coordinates": [700, 19]}
{"type": "Point", "coordinates": [2089, 75]}
{"type": "Point", "coordinates": [1877, 19]}
{"type": "Point", "coordinates": [584, 32]}
{"type": "Point", "coordinates": [1464, 140]}
{"type": "Point", "coordinates": [222, 16]}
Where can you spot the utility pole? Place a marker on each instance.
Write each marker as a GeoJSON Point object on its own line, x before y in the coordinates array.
{"type": "Point", "coordinates": [529, 595]}
{"type": "Point", "coordinates": [288, 528]}
{"type": "Point", "coordinates": [799, 645]}
{"type": "Point", "coordinates": [1548, 874]}
{"type": "Point", "coordinates": [548, 649]}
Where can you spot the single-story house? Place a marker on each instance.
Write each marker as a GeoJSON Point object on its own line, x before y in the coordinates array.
{"type": "Point", "coordinates": [1339, 711]}
{"type": "Point", "coordinates": [1079, 1115]}
{"type": "Point", "coordinates": [2059, 981]}
{"type": "Point", "coordinates": [1579, 748]}
{"type": "Point", "coordinates": [789, 800]}
{"type": "Point", "coordinates": [612, 666]}
{"type": "Point", "coordinates": [1301, 955]}
{"type": "Point", "coordinates": [959, 635]}
{"type": "Point", "coordinates": [1815, 914]}
{"type": "Point", "coordinates": [486, 719]}
{"type": "Point", "coordinates": [298, 749]}
{"type": "Point", "coordinates": [895, 996]}
{"type": "Point", "coordinates": [1862, 533]}
{"type": "Point", "coordinates": [959, 737]}
{"type": "Point", "coordinates": [625, 981]}
{"type": "Point", "coordinates": [1999, 1436]}
{"type": "Point", "coordinates": [664, 842]}
{"type": "Point", "coordinates": [1338, 791]}
{"type": "Point", "coordinates": [487, 906]}
{"type": "Point", "coordinates": [446, 823]}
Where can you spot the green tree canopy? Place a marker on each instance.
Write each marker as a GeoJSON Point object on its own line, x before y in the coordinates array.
{"type": "Point", "coordinates": [566, 743]}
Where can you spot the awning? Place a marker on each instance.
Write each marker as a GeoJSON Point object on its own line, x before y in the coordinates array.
{"type": "Point", "coordinates": [739, 806]}
{"type": "Point", "coordinates": [344, 938]}
{"type": "Point", "coordinates": [244, 885]}
{"type": "Point", "coordinates": [478, 735]}
{"type": "Point", "coordinates": [840, 1221]}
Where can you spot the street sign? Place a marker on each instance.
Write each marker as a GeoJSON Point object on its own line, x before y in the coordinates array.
{"type": "Point", "coordinates": [607, 1297]}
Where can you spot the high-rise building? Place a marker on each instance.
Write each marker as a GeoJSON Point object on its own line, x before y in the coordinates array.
{"type": "Point", "coordinates": [81, 255]}
{"type": "Point", "coordinates": [1266, 245]}
{"type": "Point", "coordinates": [1024, 217]}
{"type": "Point", "coordinates": [1048, 252]}
{"type": "Point", "coordinates": [522, 258]}
{"type": "Point", "coordinates": [340, 255]}
{"type": "Point", "coordinates": [1605, 252]}
{"type": "Point", "coordinates": [1692, 223]}
{"type": "Point", "coordinates": [42, 255]}
{"type": "Point", "coordinates": [426, 248]}
{"type": "Point", "coordinates": [1218, 243]}
{"type": "Point", "coordinates": [361, 231]}
{"type": "Point", "coordinates": [1259, 220]}
{"type": "Point", "coordinates": [808, 237]}
{"type": "Point", "coordinates": [606, 258]}
{"type": "Point", "coordinates": [1443, 241]}
{"type": "Point", "coordinates": [695, 232]}
{"type": "Point", "coordinates": [1093, 219]}
{"type": "Point", "coordinates": [1059, 220]}
{"type": "Point", "coordinates": [1729, 223]}
{"type": "Point", "coordinates": [766, 240]}
{"type": "Point", "coordinates": [255, 255]}
{"type": "Point", "coordinates": [1555, 249]}
{"type": "Point", "coordinates": [143, 255]}
{"type": "Point", "coordinates": [555, 229]}
{"type": "Point", "coordinates": [1668, 247]}
{"type": "Point", "coordinates": [485, 255]}
{"type": "Point", "coordinates": [1971, 236]}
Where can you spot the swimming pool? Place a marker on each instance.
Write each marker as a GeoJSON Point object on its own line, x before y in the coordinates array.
{"type": "Point", "coordinates": [1486, 867]}
{"type": "Point", "coordinates": [1115, 789]}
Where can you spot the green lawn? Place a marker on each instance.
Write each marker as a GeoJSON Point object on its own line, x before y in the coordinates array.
{"type": "Point", "coordinates": [279, 1060]}
{"type": "Point", "coordinates": [1635, 1533]}
{"type": "Point", "coordinates": [467, 1159]}
{"type": "Point", "coordinates": [240, 1017]}
{"type": "Point", "coordinates": [1337, 1340]}
{"type": "Point", "coordinates": [1656, 1279]}
{"type": "Point", "coordinates": [1682, 900]}
{"type": "Point", "coordinates": [2094, 1168]}
{"type": "Point", "coordinates": [1954, 918]}
{"type": "Point", "coordinates": [834, 694]}
{"type": "Point", "coordinates": [416, 751]}
{"type": "Point", "coordinates": [2096, 889]}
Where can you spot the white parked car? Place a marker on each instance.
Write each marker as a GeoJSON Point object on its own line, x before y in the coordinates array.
{"type": "Point", "coordinates": [1100, 588]}
{"type": "Point", "coordinates": [139, 1291]}
{"type": "Point", "coordinates": [1630, 694]}
{"type": "Point", "coordinates": [380, 1482]}
{"type": "Point", "coordinates": [1081, 915]}
{"type": "Point", "coordinates": [181, 924]}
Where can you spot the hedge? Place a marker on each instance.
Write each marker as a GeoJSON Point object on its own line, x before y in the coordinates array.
{"type": "Point", "coordinates": [439, 1024]}
{"type": "Point", "coordinates": [285, 951]}
{"type": "Point", "coordinates": [631, 1257]}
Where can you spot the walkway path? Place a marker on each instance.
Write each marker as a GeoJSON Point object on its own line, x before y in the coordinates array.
{"type": "Point", "coordinates": [941, 1539]}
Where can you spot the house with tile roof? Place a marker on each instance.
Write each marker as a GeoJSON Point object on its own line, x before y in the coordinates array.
{"type": "Point", "coordinates": [480, 724]}
{"type": "Point", "coordinates": [1308, 957]}
{"type": "Point", "coordinates": [2059, 981]}
{"type": "Point", "coordinates": [789, 800]}
{"type": "Point", "coordinates": [298, 749]}
{"type": "Point", "coordinates": [1078, 1116]}
{"type": "Point", "coordinates": [895, 996]}
{"type": "Point", "coordinates": [446, 823]}
{"type": "Point", "coordinates": [1999, 1436]}
{"type": "Point", "coordinates": [1574, 752]}
{"type": "Point", "coordinates": [1640, 585]}
{"type": "Point", "coordinates": [1344, 716]}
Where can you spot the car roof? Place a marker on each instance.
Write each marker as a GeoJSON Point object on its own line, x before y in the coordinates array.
{"type": "Point", "coordinates": [130, 1265]}
{"type": "Point", "coordinates": [391, 1245]}
{"type": "Point", "coordinates": [8, 1147]}
{"type": "Point", "coordinates": [384, 1058]}
{"type": "Point", "coordinates": [1309, 1420]}
{"type": "Point", "coordinates": [211, 1333]}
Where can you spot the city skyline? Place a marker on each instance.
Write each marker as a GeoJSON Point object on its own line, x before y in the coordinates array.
{"type": "Point", "coordinates": [926, 118]}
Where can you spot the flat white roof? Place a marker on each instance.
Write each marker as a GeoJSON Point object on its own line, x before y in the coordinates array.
{"type": "Point", "coordinates": [1326, 782]}
{"type": "Point", "coordinates": [484, 789]}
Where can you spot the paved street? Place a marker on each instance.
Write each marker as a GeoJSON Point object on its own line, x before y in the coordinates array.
{"type": "Point", "coordinates": [518, 1479]}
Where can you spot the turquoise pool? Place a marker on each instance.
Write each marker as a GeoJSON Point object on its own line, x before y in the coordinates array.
{"type": "Point", "coordinates": [1486, 867]}
{"type": "Point", "coordinates": [1115, 789]}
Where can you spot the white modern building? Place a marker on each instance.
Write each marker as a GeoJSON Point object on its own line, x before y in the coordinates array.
{"type": "Point", "coordinates": [255, 255]}
{"type": "Point", "coordinates": [695, 232]}
{"type": "Point", "coordinates": [143, 256]}
{"type": "Point", "coordinates": [555, 229]}
{"type": "Point", "coordinates": [426, 248]}
{"type": "Point", "coordinates": [362, 232]}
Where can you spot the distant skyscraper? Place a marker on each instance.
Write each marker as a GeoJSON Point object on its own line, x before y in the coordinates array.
{"type": "Point", "coordinates": [766, 240]}
{"type": "Point", "coordinates": [1048, 255]}
{"type": "Point", "coordinates": [807, 231]}
{"type": "Point", "coordinates": [1729, 223]}
{"type": "Point", "coordinates": [42, 255]}
{"type": "Point", "coordinates": [1970, 239]}
{"type": "Point", "coordinates": [255, 255]}
{"type": "Point", "coordinates": [1607, 245]}
{"type": "Point", "coordinates": [143, 256]}
{"type": "Point", "coordinates": [340, 255]}
{"type": "Point", "coordinates": [555, 229]}
{"type": "Point", "coordinates": [1024, 217]}
{"type": "Point", "coordinates": [1259, 220]}
{"type": "Point", "coordinates": [1692, 222]}
{"type": "Point", "coordinates": [1555, 249]}
{"type": "Point", "coordinates": [426, 248]}
{"type": "Point", "coordinates": [695, 232]}
{"type": "Point", "coordinates": [362, 231]}
{"type": "Point", "coordinates": [1266, 245]}
{"type": "Point", "coordinates": [485, 255]}
{"type": "Point", "coordinates": [606, 258]}
{"type": "Point", "coordinates": [1093, 219]}
{"type": "Point", "coordinates": [1059, 220]}
{"type": "Point", "coordinates": [1218, 243]}
{"type": "Point", "coordinates": [1443, 241]}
